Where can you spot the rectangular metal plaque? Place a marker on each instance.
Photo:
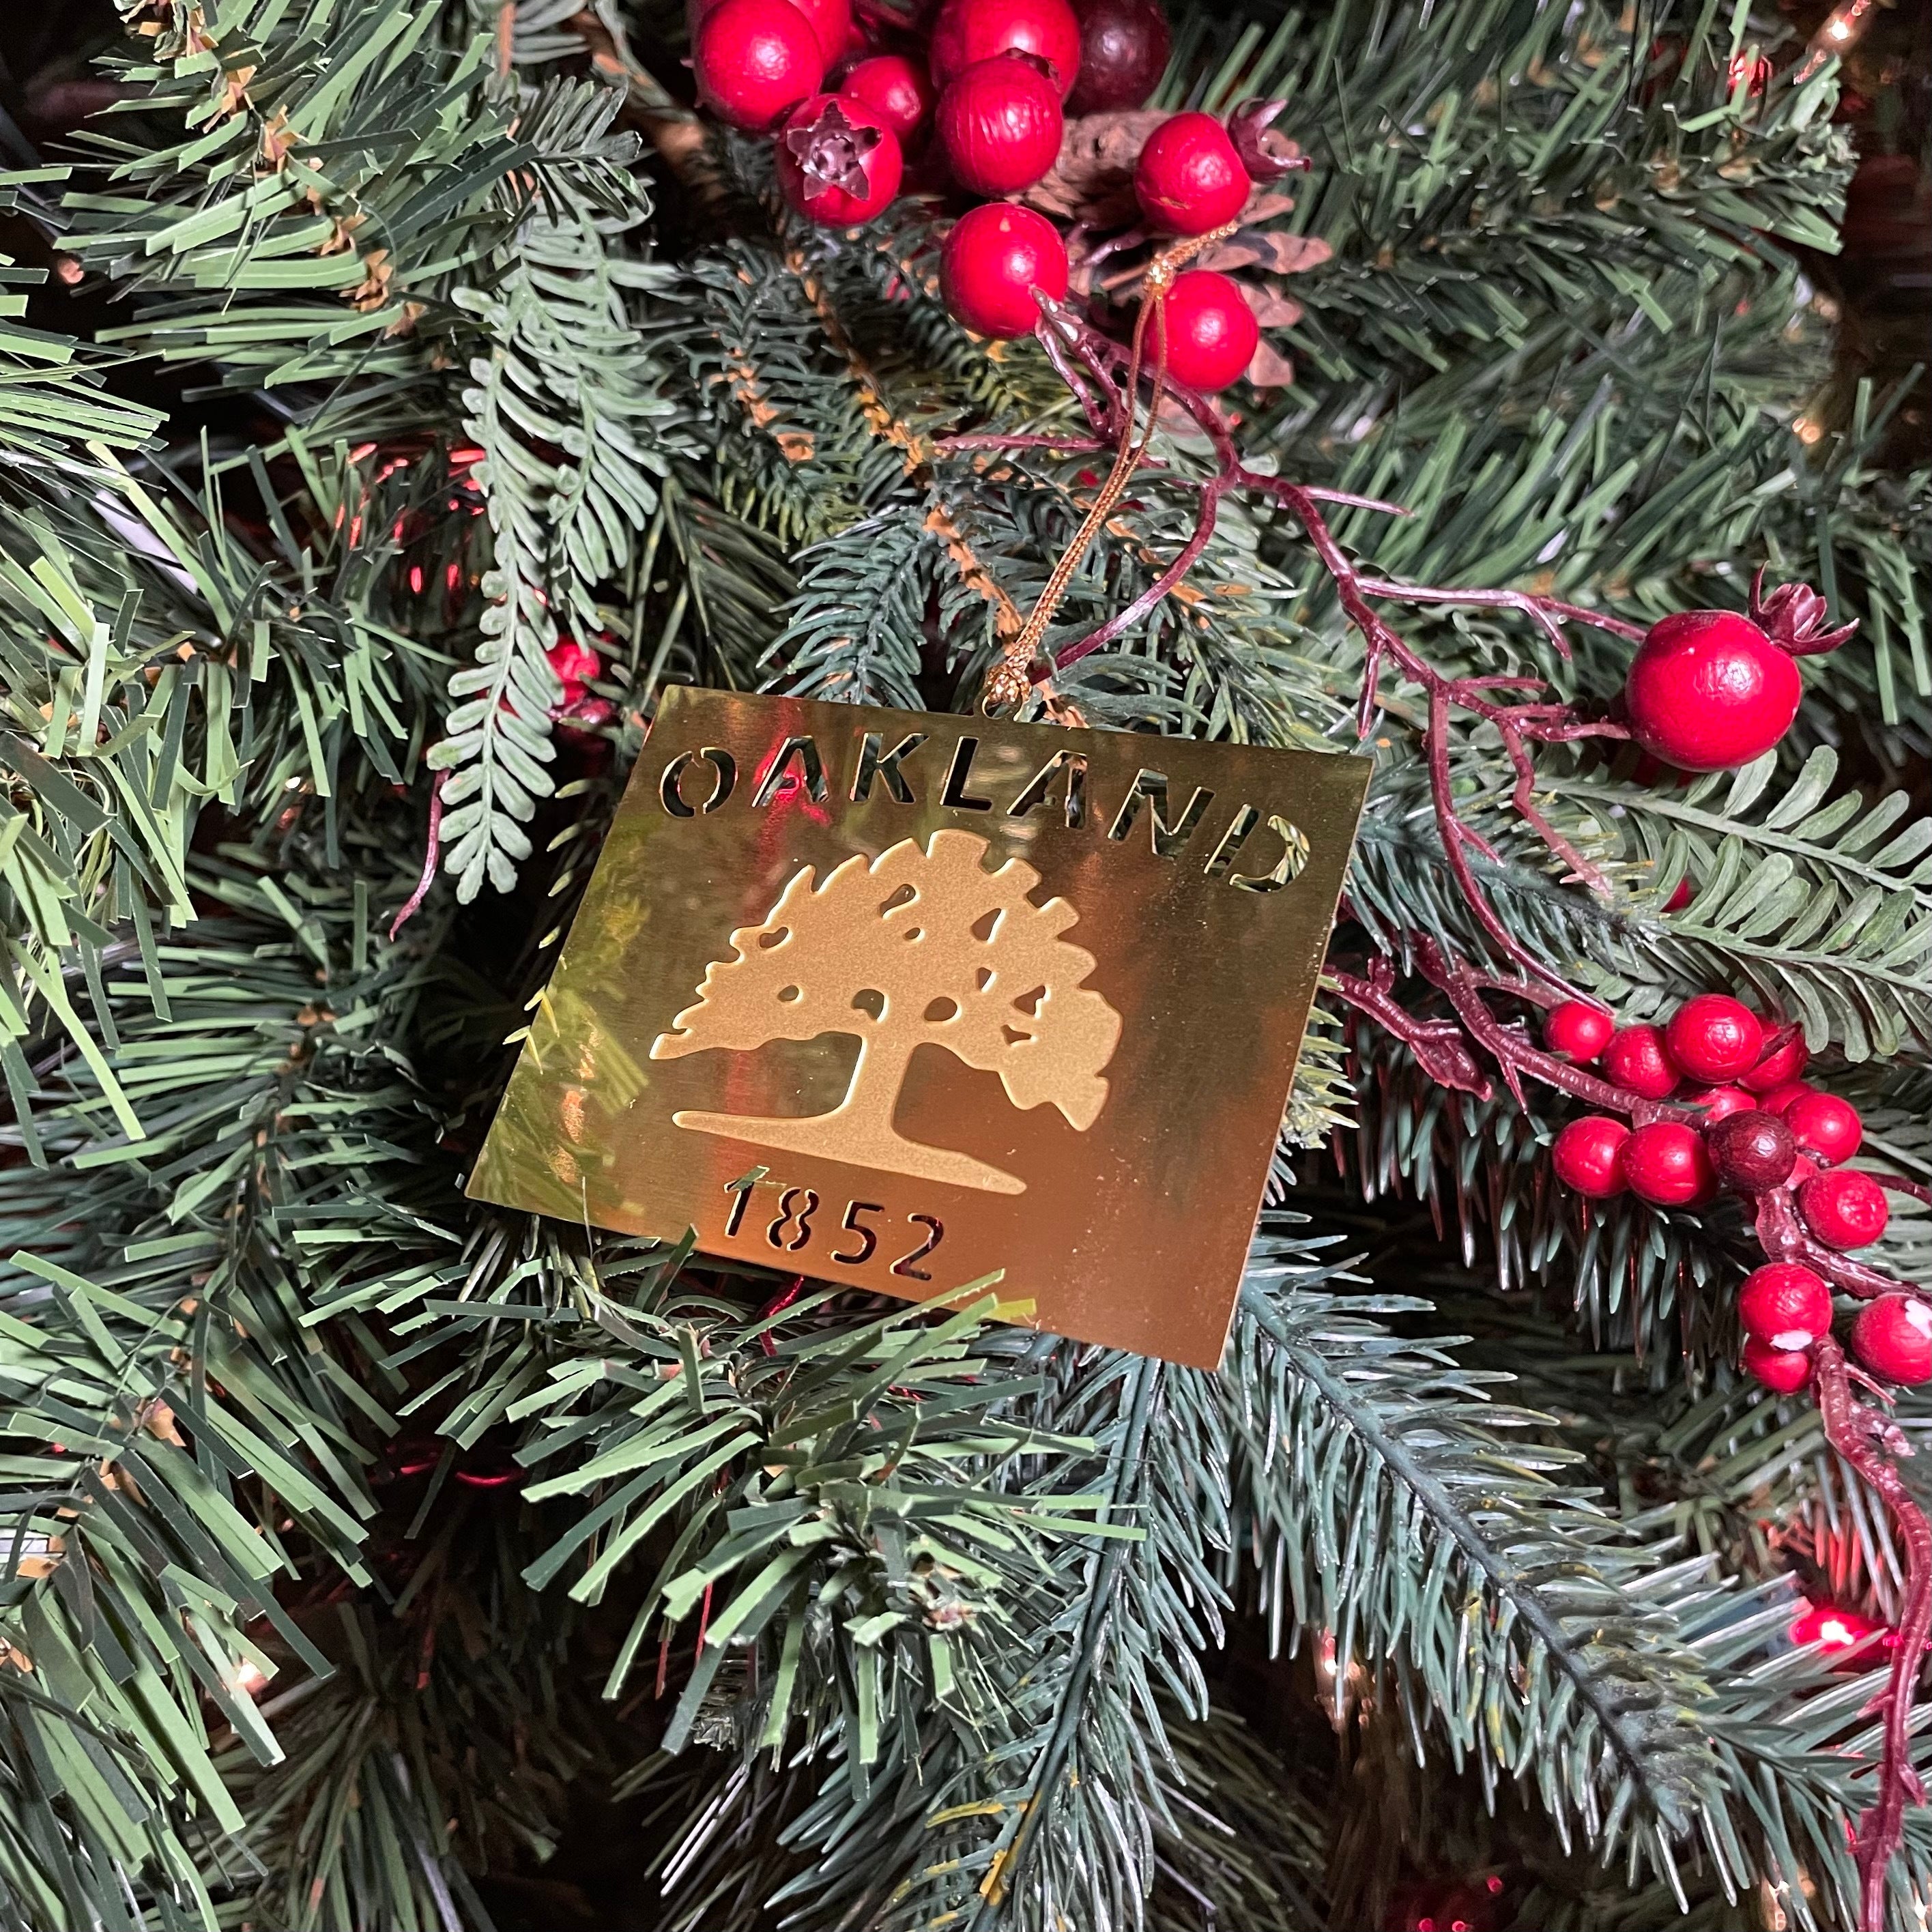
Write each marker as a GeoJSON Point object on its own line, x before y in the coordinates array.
{"type": "Point", "coordinates": [976, 995]}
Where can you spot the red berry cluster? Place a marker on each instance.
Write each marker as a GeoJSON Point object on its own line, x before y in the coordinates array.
{"type": "Point", "coordinates": [575, 665]}
{"type": "Point", "coordinates": [981, 106]}
{"type": "Point", "coordinates": [1760, 1126]}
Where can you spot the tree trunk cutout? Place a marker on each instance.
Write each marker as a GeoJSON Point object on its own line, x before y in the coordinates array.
{"type": "Point", "coordinates": [921, 947]}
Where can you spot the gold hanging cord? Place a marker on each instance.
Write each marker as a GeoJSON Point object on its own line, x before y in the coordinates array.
{"type": "Point", "coordinates": [1010, 679]}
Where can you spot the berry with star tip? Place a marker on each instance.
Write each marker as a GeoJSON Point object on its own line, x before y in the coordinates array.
{"type": "Point", "coordinates": [1664, 1163]}
{"type": "Point", "coordinates": [1577, 1032]}
{"type": "Point", "coordinates": [838, 163]}
{"type": "Point", "coordinates": [1710, 690]}
{"type": "Point", "coordinates": [1637, 1059]}
{"type": "Point", "coordinates": [1844, 1209]}
{"type": "Point", "coordinates": [1585, 1157]}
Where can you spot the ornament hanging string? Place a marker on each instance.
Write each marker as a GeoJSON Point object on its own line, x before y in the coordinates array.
{"type": "Point", "coordinates": [1012, 676]}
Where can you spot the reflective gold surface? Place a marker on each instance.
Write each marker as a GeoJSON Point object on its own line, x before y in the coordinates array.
{"type": "Point", "coordinates": [976, 995]}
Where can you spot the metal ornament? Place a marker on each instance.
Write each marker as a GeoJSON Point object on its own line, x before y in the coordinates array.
{"type": "Point", "coordinates": [898, 999]}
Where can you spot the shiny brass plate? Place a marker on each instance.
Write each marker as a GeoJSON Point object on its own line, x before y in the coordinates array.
{"type": "Point", "coordinates": [975, 996]}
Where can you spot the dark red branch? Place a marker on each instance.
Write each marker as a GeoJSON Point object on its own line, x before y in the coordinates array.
{"type": "Point", "coordinates": [1871, 1442]}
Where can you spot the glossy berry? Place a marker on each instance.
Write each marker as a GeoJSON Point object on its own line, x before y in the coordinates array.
{"type": "Point", "coordinates": [1824, 1125]}
{"type": "Point", "coordinates": [1709, 690]}
{"type": "Point", "coordinates": [1124, 49]}
{"type": "Point", "coordinates": [1893, 1338]}
{"type": "Point", "coordinates": [1665, 1164]}
{"type": "Point", "coordinates": [755, 60]}
{"type": "Point", "coordinates": [1751, 1151]}
{"type": "Point", "coordinates": [830, 22]}
{"type": "Point", "coordinates": [1719, 1103]}
{"type": "Point", "coordinates": [1784, 1304]}
{"type": "Point", "coordinates": [968, 32]}
{"type": "Point", "coordinates": [993, 260]}
{"type": "Point", "coordinates": [1577, 1033]}
{"type": "Point", "coordinates": [1209, 330]}
{"type": "Point", "coordinates": [1786, 1370]}
{"type": "Point", "coordinates": [1637, 1058]}
{"type": "Point", "coordinates": [838, 163]}
{"type": "Point", "coordinates": [1712, 1037]}
{"type": "Point", "coordinates": [1189, 178]}
{"type": "Point", "coordinates": [1776, 1100]}
{"type": "Point", "coordinates": [1844, 1209]}
{"type": "Point", "coordinates": [896, 89]}
{"type": "Point", "coordinates": [1585, 1157]}
{"type": "Point", "coordinates": [1779, 1065]}
{"type": "Point", "coordinates": [999, 123]}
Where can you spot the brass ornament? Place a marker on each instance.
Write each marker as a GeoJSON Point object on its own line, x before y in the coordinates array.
{"type": "Point", "coordinates": [898, 999]}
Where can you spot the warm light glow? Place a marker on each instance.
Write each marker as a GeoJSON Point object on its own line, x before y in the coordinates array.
{"type": "Point", "coordinates": [1834, 1630]}
{"type": "Point", "coordinates": [249, 1678]}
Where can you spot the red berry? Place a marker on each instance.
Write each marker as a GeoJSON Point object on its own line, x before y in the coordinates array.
{"type": "Point", "coordinates": [575, 665]}
{"type": "Point", "coordinates": [756, 60]}
{"type": "Point", "coordinates": [1893, 1338]}
{"type": "Point", "coordinates": [968, 32]}
{"type": "Point", "coordinates": [1000, 123]}
{"type": "Point", "coordinates": [1750, 1151]}
{"type": "Point", "coordinates": [1665, 1164]}
{"type": "Point", "coordinates": [1577, 1033]}
{"type": "Point", "coordinates": [1786, 1370]}
{"type": "Point", "coordinates": [1824, 1125]}
{"type": "Point", "coordinates": [1779, 1065]}
{"type": "Point", "coordinates": [837, 162]}
{"type": "Point", "coordinates": [1709, 690]}
{"type": "Point", "coordinates": [993, 260]}
{"type": "Point", "coordinates": [1584, 1156]}
{"type": "Point", "coordinates": [1124, 49]}
{"type": "Point", "coordinates": [1712, 1037]}
{"type": "Point", "coordinates": [1189, 179]}
{"type": "Point", "coordinates": [1784, 1304]}
{"type": "Point", "coordinates": [830, 22]}
{"type": "Point", "coordinates": [1636, 1058]}
{"type": "Point", "coordinates": [896, 89]}
{"type": "Point", "coordinates": [1211, 332]}
{"type": "Point", "coordinates": [1844, 1209]}
{"type": "Point", "coordinates": [1719, 1103]}
{"type": "Point", "coordinates": [1681, 897]}
{"type": "Point", "coordinates": [1776, 1100]}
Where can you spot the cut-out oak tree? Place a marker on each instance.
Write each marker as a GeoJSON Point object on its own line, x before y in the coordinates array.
{"type": "Point", "coordinates": [920, 948]}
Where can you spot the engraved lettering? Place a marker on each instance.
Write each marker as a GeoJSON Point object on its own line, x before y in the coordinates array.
{"type": "Point", "coordinates": [724, 775]}
{"type": "Point", "coordinates": [1294, 856]}
{"type": "Point", "coordinates": [803, 751]}
{"type": "Point", "coordinates": [955, 793]}
{"type": "Point", "coordinates": [1074, 764]}
{"type": "Point", "coordinates": [1168, 839]}
{"type": "Point", "coordinates": [873, 762]}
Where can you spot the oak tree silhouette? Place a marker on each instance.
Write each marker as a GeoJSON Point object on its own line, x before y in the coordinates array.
{"type": "Point", "coordinates": [921, 947]}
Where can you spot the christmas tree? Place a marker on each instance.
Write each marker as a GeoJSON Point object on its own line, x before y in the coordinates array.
{"type": "Point", "coordinates": [400, 396]}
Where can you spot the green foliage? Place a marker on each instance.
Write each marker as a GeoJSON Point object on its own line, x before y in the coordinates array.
{"type": "Point", "coordinates": [881, 1616]}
